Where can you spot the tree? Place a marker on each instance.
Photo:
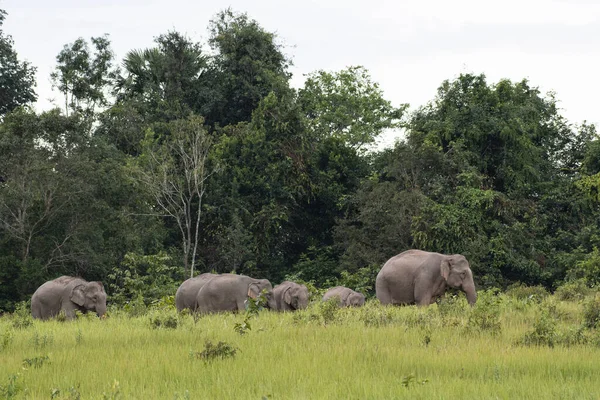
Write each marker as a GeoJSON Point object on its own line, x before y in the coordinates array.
{"type": "Point", "coordinates": [82, 77]}
{"type": "Point", "coordinates": [248, 65]}
{"type": "Point", "coordinates": [174, 169]}
{"type": "Point", "coordinates": [17, 78]}
{"type": "Point", "coordinates": [347, 105]}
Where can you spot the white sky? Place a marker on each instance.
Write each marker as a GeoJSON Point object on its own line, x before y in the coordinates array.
{"type": "Point", "coordinates": [409, 46]}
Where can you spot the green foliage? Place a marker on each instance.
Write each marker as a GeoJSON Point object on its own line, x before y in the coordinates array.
{"type": "Point", "coordinates": [167, 319]}
{"type": "Point", "coordinates": [328, 310]}
{"type": "Point", "coordinates": [573, 290]}
{"type": "Point", "coordinates": [40, 341]}
{"type": "Point", "coordinates": [544, 331]}
{"type": "Point", "coordinates": [411, 380]}
{"type": "Point", "coordinates": [485, 315]}
{"type": "Point", "coordinates": [149, 278]}
{"type": "Point", "coordinates": [12, 388]}
{"type": "Point", "coordinates": [21, 318]}
{"type": "Point", "coordinates": [362, 280]}
{"type": "Point", "coordinates": [591, 313]}
{"type": "Point", "coordinates": [17, 78]}
{"type": "Point", "coordinates": [347, 105]}
{"type": "Point", "coordinates": [588, 268]}
{"type": "Point", "coordinates": [36, 362]}
{"type": "Point", "coordinates": [523, 292]}
{"type": "Point", "coordinates": [212, 351]}
{"type": "Point", "coordinates": [114, 392]}
{"type": "Point", "coordinates": [70, 394]}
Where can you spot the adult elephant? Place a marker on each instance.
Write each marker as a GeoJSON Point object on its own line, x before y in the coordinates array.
{"type": "Point", "coordinates": [186, 294]}
{"type": "Point", "coordinates": [290, 296]}
{"type": "Point", "coordinates": [419, 277]}
{"type": "Point", "coordinates": [230, 292]}
{"type": "Point", "coordinates": [68, 294]}
{"type": "Point", "coordinates": [347, 297]}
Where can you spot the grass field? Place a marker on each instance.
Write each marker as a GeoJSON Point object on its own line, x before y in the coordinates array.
{"type": "Point", "coordinates": [503, 348]}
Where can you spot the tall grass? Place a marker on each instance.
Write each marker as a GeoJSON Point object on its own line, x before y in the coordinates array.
{"type": "Point", "coordinates": [374, 352]}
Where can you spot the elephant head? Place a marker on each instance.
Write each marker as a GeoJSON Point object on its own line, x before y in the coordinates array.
{"type": "Point", "coordinates": [90, 296]}
{"type": "Point", "coordinates": [355, 299]}
{"type": "Point", "coordinates": [457, 273]}
{"type": "Point", "coordinates": [257, 286]}
{"type": "Point", "coordinates": [296, 296]}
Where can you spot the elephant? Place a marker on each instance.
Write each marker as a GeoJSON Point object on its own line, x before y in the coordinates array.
{"type": "Point", "coordinates": [420, 277]}
{"type": "Point", "coordinates": [68, 294]}
{"type": "Point", "coordinates": [185, 297]}
{"type": "Point", "coordinates": [290, 296]}
{"type": "Point", "coordinates": [230, 292]}
{"type": "Point", "coordinates": [347, 297]}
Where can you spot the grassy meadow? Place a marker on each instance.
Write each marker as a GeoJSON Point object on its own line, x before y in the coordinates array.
{"type": "Point", "coordinates": [503, 348]}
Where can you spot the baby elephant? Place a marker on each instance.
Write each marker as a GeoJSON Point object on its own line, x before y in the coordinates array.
{"type": "Point", "coordinates": [68, 294]}
{"type": "Point", "coordinates": [290, 296]}
{"type": "Point", "coordinates": [346, 296]}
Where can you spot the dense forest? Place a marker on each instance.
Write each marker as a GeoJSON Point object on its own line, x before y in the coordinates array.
{"type": "Point", "coordinates": [190, 157]}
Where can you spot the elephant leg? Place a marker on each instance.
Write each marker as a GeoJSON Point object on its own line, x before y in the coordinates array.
{"type": "Point", "coordinates": [241, 305]}
{"type": "Point", "coordinates": [383, 293]}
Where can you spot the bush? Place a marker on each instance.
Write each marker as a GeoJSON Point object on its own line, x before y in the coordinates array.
{"type": "Point", "coordinates": [544, 331]}
{"type": "Point", "coordinates": [573, 290]}
{"type": "Point", "coordinates": [164, 319]}
{"type": "Point", "coordinates": [485, 315]}
{"type": "Point", "coordinates": [212, 351]}
{"type": "Point", "coordinates": [523, 292]}
{"type": "Point", "coordinates": [21, 318]}
{"type": "Point", "coordinates": [591, 313]}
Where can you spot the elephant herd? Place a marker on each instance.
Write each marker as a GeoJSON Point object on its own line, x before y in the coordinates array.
{"type": "Point", "coordinates": [412, 277]}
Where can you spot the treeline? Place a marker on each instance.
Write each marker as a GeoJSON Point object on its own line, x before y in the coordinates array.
{"type": "Point", "coordinates": [179, 160]}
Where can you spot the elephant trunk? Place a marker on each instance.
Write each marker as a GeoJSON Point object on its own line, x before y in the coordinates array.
{"type": "Point", "coordinates": [101, 310]}
{"type": "Point", "coordinates": [469, 289]}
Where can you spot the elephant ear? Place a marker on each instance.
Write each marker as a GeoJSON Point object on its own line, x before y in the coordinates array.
{"type": "Point", "coordinates": [253, 290]}
{"type": "Point", "coordinates": [445, 268]}
{"type": "Point", "coordinates": [78, 295]}
{"type": "Point", "coordinates": [287, 295]}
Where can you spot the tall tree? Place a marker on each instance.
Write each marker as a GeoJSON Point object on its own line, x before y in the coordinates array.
{"type": "Point", "coordinates": [347, 105]}
{"type": "Point", "coordinates": [174, 169]}
{"type": "Point", "coordinates": [84, 78]}
{"type": "Point", "coordinates": [248, 65]}
{"type": "Point", "coordinates": [17, 78]}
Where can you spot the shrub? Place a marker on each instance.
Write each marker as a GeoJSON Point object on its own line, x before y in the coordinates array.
{"type": "Point", "coordinates": [544, 331]}
{"type": "Point", "coordinates": [573, 290]}
{"type": "Point", "coordinates": [523, 292]}
{"type": "Point", "coordinates": [485, 315]}
{"type": "Point", "coordinates": [591, 313]}
{"type": "Point", "coordinates": [212, 351]}
{"type": "Point", "coordinates": [21, 318]}
{"type": "Point", "coordinates": [164, 319]}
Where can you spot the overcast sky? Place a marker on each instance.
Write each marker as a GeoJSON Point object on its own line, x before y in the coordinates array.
{"type": "Point", "coordinates": [409, 46]}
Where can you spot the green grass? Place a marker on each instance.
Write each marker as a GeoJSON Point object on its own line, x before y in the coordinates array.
{"type": "Point", "coordinates": [369, 353]}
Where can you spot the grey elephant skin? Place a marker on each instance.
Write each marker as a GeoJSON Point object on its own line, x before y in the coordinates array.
{"type": "Point", "coordinates": [68, 294]}
{"type": "Point", "coordinates": [290, 296]}
{"type": "Point", "coordinates": [186, 294]}
{"type": "Point", "coordinates": [419, 277]}
{"type": "Point", "coordinates": [230, 292]}
{"type": "Point", "coordinates": [347, 297]}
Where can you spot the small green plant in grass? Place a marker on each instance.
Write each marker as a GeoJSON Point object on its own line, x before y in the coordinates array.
{"type": "Point", "coordinates": [79, 336]}
{"type": "Point", "coordinates": [485, 315]}
{"type": "Point", "coordinates": [411, 380]}
{"type": "Point", "coordinates": [212, 351]}
{"type": "Point", "coordinates": [11, 389]}
{"type": "Point", "coordinates": [329, 310]}
{"type": "Point", "coordinates": [242, 327]}
{"type": "Point", "coordinates": [70, 394]}
{"type": "Point", "coordinates": [41, 341]}
{"type": "Point", "coordinates": [544, 331]}
{"type": "Point", "coordinates": [21, 318]}
{"type": "Point", "coordinates": [35, 362]}
{"type": "Point", "coordinates": [591, 313]}
{"type": "Point", "coordinates": [167, 319]}
{"type": "Point", "coordinates": [6, 339]}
